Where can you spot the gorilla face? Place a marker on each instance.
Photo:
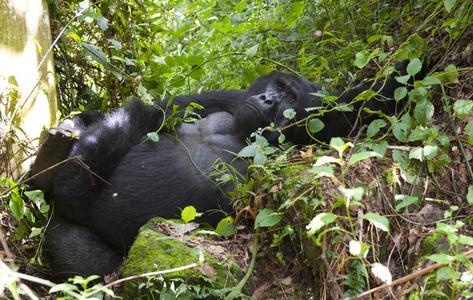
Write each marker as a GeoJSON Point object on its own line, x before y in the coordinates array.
{"type": "Point", "coordinates": [270, 96]}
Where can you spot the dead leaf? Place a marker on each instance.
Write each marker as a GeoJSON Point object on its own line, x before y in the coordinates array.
{"type": "Point", "coordinates": [207, 269]}
{"type": "Point", "coordinates": [286, 281]}
{"type": "Point", "coordinates": [306, 154]}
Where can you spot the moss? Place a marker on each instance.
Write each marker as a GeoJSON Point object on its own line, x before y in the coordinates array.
{"type": "Point", "coordinates": [447, 288]}
{"type": "Point", "coordinates": [154, 251]}
{"type": "Point", "coordinates": [292, 170]}
{"type": "Point", "coordinates": [434, 243]}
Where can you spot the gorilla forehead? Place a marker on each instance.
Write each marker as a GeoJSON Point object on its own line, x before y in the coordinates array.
{"type": "Point", "coordinates": [295, 83]}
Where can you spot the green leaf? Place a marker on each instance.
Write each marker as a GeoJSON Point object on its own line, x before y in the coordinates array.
{"type": "Point", "coordinates": [356, 248]}
{"type": "Point", "coordinates": [355, 193]}
{"type": "Point", "coordinates": [465, 240]}
{"type": "Point", "coordinates": [248, 151]}
{"type": "Point", "coordinates": [115, 44]}
{"type": "Point", "coordinates": [96, 53]}
{"type": "Point", "coordinates": [294, 14]}
{"type": "Point", "coordinates": [381, 147]}
{"type": "Point", "coordinates": [451, 72]}
{"type": "Point", "coordinates": [102, 22]}
{"type": "Point", "coordinates": [362, 155]}
{"type": "Point", "coordinates": [431, 80]}
{"type": "Point", "coordinates": [444, 141]}
{"type": "Point", "coordinates": [378, 221]}
{"type": "Point", "coordinates": [154, 136]}
{"type": "Point", "coordinates": [414, 67]}
{"type": "Point", "coordinates": [17, 206]}
{"type": "Point", "coordinates": [405, 201]}
{"type": "Point", "coordinates": [170, 61]}
{"type": "Point", "coordinates": [417, 153]}
{"type": "Point", "coordinates": [441, 258]}
{"type": "Point", "coordinates": [400, 93]}
{"type": "Point", "coordinates": [382, 272]}
{"type": "Point", "coordinates": [449, 4]}
{"type": "Point", "coordinates": [322, 171]}
{"type": "Point", "coordinates": [35, 232]}
{"type": "Point", "coordinates": [315, 125]}
{"type": "Point", "coordinates": [469, 132]}
{"type": "Point", "coordinates": [37, 197]}
{"type": "Point", "coordinates": [401, 158]}
{"type": "Point", "coordinates": [289, 113]}
{"type": "Point", "coordinates": [374, 38]}
{"type": "Point", "coordinates": [363, 58]}
{"type": "Point", "coordinates": [252, 51]}
{"type": "Point", "coordinates": [226, 227]}
{"type": "Point", "coordinates": [281, 138]}
{"type": "Point", "coordinates": [267, 218]}
{"type": "Point", "coordinates": [319, 221]}
{"type": "Point", "coordinates": [339, 145]}
{"type": "Point", "coordinates": [423, 112]}
{"type": "Point", "coordinates": [469, 195]}
{"type": "Point", "coordinates": [117, 75]}
{"type": "Point", "coordinates": [430, 151]}
{"type": "Point", "coordinates": [463, 108]}
{"type": "Point", "coordinates": [326, 160]}
{"type": "Point", "coordinates": [403, 79]}
{"type": "Point", "coordinates": [188, 214]}
{"type": "Point", "coordinates": [400, 131]}
{"type": "Point", "coordinates": [63, 287]}
{"type": "Point", "coordinates": [374, 127]}
{"type": "Point", "coordinates": [259, 159]}
{"type": "Point", "coordinates": [240, 6]}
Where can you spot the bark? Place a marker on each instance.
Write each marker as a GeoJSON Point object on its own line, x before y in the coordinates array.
{"type": "Point", "coordinates": [27, 82]}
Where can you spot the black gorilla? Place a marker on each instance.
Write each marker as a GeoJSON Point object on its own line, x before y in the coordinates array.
{"type": "Point", "coordinates": [126, 179]}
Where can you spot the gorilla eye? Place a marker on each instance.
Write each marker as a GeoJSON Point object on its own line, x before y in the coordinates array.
{"type": "Point", "coordinates": [280, 86]}
{"type": "Point", "coordinates": [291, 97]}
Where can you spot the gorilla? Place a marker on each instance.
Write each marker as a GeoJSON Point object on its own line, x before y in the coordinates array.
{"type": "Point", "coordinates": [123, 178]}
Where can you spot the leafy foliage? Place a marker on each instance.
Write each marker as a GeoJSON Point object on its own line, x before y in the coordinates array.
{"type": "Point", "coordinates": [109, 52]}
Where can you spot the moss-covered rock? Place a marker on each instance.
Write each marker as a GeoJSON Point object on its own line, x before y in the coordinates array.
{"type": "Point", "coordinates": [155, 251]}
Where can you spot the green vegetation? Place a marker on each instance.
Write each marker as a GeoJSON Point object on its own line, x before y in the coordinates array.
{"type": "Point", "coordinates": [333, 220]}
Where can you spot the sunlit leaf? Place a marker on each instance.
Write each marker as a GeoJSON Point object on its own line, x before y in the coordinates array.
{"type": "Point", "coordinates": [188, 214]}
{"type": "Point", "coordinates": [382, 272]}
{"type": "Point", "coordinates": [319, 221]}
{"type": "Point", "coordinates": [378, 221]}
{"type": "Point", "coordinates": [267, 218]}
{"type": "Point", "coordinates": [226, 227]}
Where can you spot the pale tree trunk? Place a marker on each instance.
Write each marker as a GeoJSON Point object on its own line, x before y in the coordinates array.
{"type": "Point", "coordinates": [27, 82]}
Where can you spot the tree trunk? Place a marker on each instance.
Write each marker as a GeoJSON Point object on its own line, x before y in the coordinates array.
{"type": "Point", "coordinates": [27, 82]}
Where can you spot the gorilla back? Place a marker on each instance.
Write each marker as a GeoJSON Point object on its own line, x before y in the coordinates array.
{"type": "Point", "coordinates": [124, 179]}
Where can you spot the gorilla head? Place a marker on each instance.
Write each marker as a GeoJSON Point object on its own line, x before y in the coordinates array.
{"type": "Point", "coordinates": [269, 97]}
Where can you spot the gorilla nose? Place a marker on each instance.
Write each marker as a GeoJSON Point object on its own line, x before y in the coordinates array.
{"type": "Point", "coordinates": [266, 99]}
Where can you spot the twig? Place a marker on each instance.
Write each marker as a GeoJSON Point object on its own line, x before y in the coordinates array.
{"type": "Point", "coordinates": [242, 283]}
{"type": "Point", "coordinates": [190, 266]}
{"type": "Point", "coordinates": [406, 278]}
{"type": "Point", "coordinates": [20, 276]}
{"type": "Point", "coordinates": [327, 265]}
{"type": "Point", "coordinates": [45, 170]}
{"type": "Point", "coordinates": [300, 196]}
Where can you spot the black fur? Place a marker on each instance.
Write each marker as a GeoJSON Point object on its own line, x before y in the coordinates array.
{"type": "Point", "coordinates": [128, 179]}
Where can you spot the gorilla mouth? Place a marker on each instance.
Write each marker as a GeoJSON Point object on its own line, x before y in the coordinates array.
{"type": "Point", "coordinates": [254, 108]}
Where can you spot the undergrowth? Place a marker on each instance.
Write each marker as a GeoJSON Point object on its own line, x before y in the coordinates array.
{"type": "Point", "coordinates": [351, 214]}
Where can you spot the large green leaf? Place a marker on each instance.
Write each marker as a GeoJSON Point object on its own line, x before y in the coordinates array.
{"type": "Point", "coordinates": [423, 112]}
